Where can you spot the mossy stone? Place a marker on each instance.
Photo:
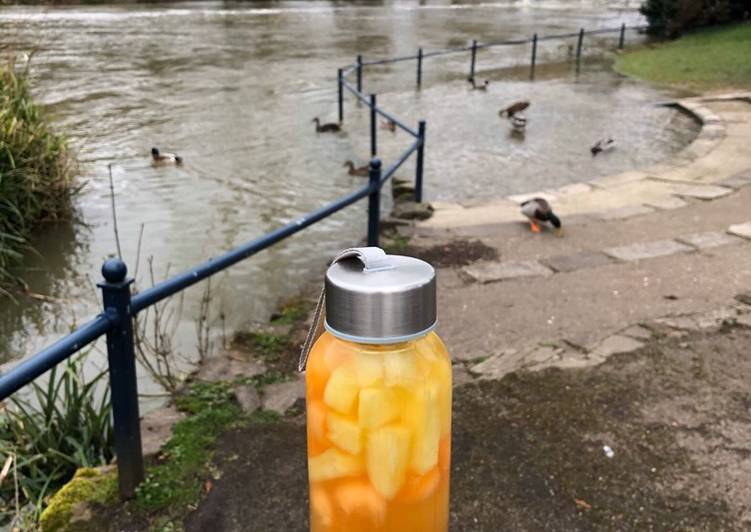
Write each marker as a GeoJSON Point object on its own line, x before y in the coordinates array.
{"type": "Point", "coordinates": [67, 510]}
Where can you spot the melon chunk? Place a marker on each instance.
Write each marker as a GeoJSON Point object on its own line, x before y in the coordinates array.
{"type": "Point", "coordinates": [378, 406]}
{"type": "Point", "coordinates": [400, 369]}
{"type": "Point", "coordinates": [316, 427]}
{"type": "Point", "coordinates": [358, 498]}
{"type": "Point", "coordinates": [344, 433]}
{"type": "Point", "coordinates": [422, 416]}
{"type": "Point", "coordinates": [341, 390]}
{"type": "Point", "coordinates": [387, 453]}
{"type": "Point", "coordinates": [320, 506]}
{"type": "Point", "coordinates": [369, 369]}
{"type": "Point", "coordinates": [332, 464]}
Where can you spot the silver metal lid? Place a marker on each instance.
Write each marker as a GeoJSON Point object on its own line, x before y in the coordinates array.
{"type": "Point", "coordinates": [372, 297]}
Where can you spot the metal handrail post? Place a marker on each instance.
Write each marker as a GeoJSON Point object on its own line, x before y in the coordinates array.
{"type": "Point", "coordinates": [622, 37]}
{"type": "Point", "coordinates": [472, 62]}
{"type": "Point", "coordinates": [374, 202]}
{"type": "Point", "coordinates": [341, 96]}
{"type": "Point", "coordinates": [534, 57]}
{"type": "Point", "coordinates": [373, 126]}
{"type": "Point", "coordinates": [122, 370]}
{"type": "Point", "coordinates": [579, 50]}
{"type": "Point", "coordinates": [359, 73]}
{"type": "Point", "coordinates": [420, 161]}
{"type": "Point", "coordinates": [419, 68]}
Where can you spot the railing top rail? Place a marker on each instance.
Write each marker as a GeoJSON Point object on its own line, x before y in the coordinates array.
{"type": "Point", "coordinates": [46, 359]}
{"type": "Point", "coordinates": [378, 110]}
{"type": "Point", "coordinates": [395, 166]}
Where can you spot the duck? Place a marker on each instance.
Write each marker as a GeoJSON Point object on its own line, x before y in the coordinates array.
{"type": "Point", "coordinates": [516, 107]}
{"type": "Point", "coordinates": [603, 145]}
{"type": "Point", "coordinates": [361, 171]}
{"type": "Point", "coordinates": [539, 212]}
{"type": "Point", "coordinates": [389, 124]}
{"type": "Point", "coordinates": [159, 157]}
{"type": "Point", "coordinates": [518, 122]}
{"type": "Point", "coordinates": [330, 127]}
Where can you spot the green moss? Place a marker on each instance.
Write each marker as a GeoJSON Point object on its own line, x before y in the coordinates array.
{"type": "Point", "coordinates": [292, 312]}
{"type": "Point", "coordinates": [395, 244]}
{"type": "Point", "coordinates": [88, 485]}
{"type": "Point", "coordinates": [268, 345]}
{"type": "Point", "coordinates": [264, 379]}
{"type": "Point", "coordinates": [177, 480]}
{"type": "Point", "coordinates": [716, 57]}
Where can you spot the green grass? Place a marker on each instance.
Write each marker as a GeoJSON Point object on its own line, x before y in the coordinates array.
{"type": "Point", "coordinates": [268, 345]}
{"type": "Point", "coordinates": [710, 58]}
{"type": "Point", "coordinates": [36, 169]}
{"type": "Point", "coordinates": [292, 312]}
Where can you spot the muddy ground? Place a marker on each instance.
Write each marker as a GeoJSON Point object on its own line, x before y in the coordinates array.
{"type": "Point", "coordinates": [528, 449]}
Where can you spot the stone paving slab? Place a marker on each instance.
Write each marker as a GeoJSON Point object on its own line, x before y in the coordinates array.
{"type": "Point", "coordinates": [578, 261]}
{"type": "Point", "coordinates": [647, 250]}
{"type": "Point", "coordinates": [489, 272]}
{"type": "Point", "coordinates": [667, 203]}
{"type": "Point", "coordinates": [479, 230]}
{"type": "Point", "coordinates": [279, 397]}
{"type": "Point", "coordinates": [703, 192]}
{"type": "Point", "coordinates": [614, 345]}
{"type": "Point", "coordinates": [743, 230]}
{"type": "Point", "coordinates": [739, 180]}
{"type": "Point", "coordinates": [638, 332]}
{"type": "Point", "coordinates": [521, 198]}
{"type": "Point", "coordinates": [623, 213]}
{"type": "Point", "coordinates": [618, 179]}
{"type": "Point", "coordinates": [709, 239]}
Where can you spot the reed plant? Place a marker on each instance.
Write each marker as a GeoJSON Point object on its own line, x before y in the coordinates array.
{"type": "Point", "coordinates": [37, 168]}
{"type": "Point", "coordinates": [61, 426]}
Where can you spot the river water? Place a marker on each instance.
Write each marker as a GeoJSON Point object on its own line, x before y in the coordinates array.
{"type": "Point", "coordinates": [232, 87]}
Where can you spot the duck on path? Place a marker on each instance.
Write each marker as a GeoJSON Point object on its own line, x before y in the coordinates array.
{"type": "Point", "coordinates": [161, 158]}
{"type": "Point", "coordinates": [603, 145]}
{"type": "Point", "coordinates": [389, 125]}
{"type": "Point", "coordinates": [539, 212]}
{"type": "Point", "coordinates": [361, 171]}
{"type": "Point", "coordinates": [518, 122]}
{"type": "Point", "coordinates": [477, 87]}
{"type": "Point", "coordinates": [330, 127]}
{"type": "Point", "coordinates": [516, 107]}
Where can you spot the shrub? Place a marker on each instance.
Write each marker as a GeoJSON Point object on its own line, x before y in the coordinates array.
{"type": "Point", "coordinates": [673, 17]}
{"type": "Point", "coordinates": [36, 168]}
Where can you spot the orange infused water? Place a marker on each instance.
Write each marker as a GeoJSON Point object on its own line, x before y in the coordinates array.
{"type": "Point", "coordinates": [379, 435]}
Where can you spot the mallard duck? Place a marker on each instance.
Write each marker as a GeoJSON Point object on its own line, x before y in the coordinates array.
{"type": "Point", "coordinates": [331, 127]}
{"type": "Point", "coordinates": [518, 122]}
{"type": "Point", "coordinates": [538, 211]}
{"type": "Point", "coordinates": [158, 157]}
{"type": "Point", "coordinates": [389, 124]}
{"type": "Point", "coordinates": [362, 171]}
{"type": "Point", "coordinates": [514, 108]}
{"type": "Point", "coordinates": [602, 146]}
{"type": "Point", "coordinates": [477, 87]}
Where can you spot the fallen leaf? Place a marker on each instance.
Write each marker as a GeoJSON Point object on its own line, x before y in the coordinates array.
{"type": "Point", "coordinates": [581, 503]}
{"type": "Point", "coordinates": [208, 486]}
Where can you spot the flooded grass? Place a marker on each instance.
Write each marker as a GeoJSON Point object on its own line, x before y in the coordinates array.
{"type": "Point", "coordinates": [36, 168]}
{"type": "Point", "coordinates": [716, 57]}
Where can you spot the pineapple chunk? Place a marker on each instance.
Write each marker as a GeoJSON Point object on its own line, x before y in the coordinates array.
{"type": "Point", "coordinates": [377, 407]}
{"type": "Point", "coordinates": [341, 390]}
{"type": "Point", "coordinates": [422, 416]}
{"type": "Point", "coordinates": [419, 487]}
{"type": "Point", "coordinates": [387, 455]}
{"type": "Point", "coordinates": [332, 464]}
{"type": "Point", "coordinates": [316, 427]}
{"type": "Point", "coordinates": [358, 498]}
{"type": "Point", "coordinates": [400, 369]}
{"type": "Point", "coordinates": [369, 369]}
{"type": "Point", "coordinates": [344, 433]}
{"type": "Point", "coordinates": [442, 375]}
{"type": "Point", "coordinates": [321, 507]}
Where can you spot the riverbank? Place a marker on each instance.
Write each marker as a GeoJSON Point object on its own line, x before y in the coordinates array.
{"type": "Point", "coordinates": [712, 58]}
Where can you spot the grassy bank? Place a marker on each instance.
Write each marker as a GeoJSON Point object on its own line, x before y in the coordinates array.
{"type": "Point", "coordinates": [36, 168]}
{"type": "Point", "coordinates": [706, 59]}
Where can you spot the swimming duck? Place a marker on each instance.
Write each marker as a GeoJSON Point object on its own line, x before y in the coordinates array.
{"type": "Point", "coordinates": [538, 211]}
{"type": "Point", "coordinates": [477, 87]}
{"type": "Point", "coordinates": [518, 122]}
{"type": "Point", "coordinates": [331, 127]}
{"type": "Point", "coordinates": [602, 145]}
{"type": "Point", "coordinates": [158, 157]}
{"type": "Point", "coordinates": [514, 108]}
{"type": "Point", "coordinates": [389, 124]}
{"type": "Point", "coordinates": [362, 171]}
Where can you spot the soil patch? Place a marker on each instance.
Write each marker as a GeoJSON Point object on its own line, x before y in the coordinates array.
{"type": "Point", "coordinates": [454, 253]}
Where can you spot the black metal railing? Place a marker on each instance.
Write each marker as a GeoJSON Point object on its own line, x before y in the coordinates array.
{"type": "Point", "coordinates": [119, 307]}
